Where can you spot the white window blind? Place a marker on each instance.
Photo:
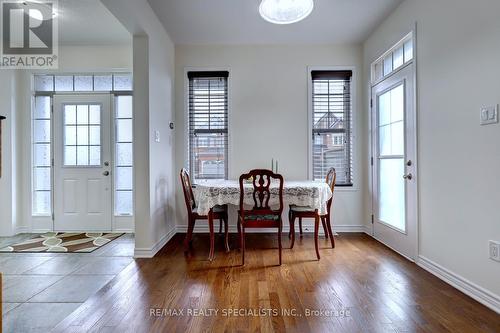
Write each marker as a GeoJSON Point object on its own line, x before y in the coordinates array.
{"type": "Point", "coordinates": [332, 128]}
{"type": "Point", "coordinates": [208, 124]}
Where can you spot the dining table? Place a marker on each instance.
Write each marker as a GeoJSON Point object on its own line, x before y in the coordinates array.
{"type": "Point", "coordinates": [211, 193]}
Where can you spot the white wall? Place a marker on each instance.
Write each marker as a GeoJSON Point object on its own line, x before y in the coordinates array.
{"type": "Point", "coordinates": [8, 212]}
{"type": "Point", "coordinates": [153, 53]}
{"type": "Point", "coordinates": [458, 54]}
{"type": "Point", "coordinates": [95, 58]}
{"type": "Point", "coordinates": [268, 113]}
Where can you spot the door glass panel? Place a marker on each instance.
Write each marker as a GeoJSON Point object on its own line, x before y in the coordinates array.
{"type": "Point", "coordinates": [42, 131]}
{"type": "Point", "coordinates": [124, 156]}
{"type": "Point", "coordinates": [397, 103]}
{"type": "Point", "coordinates": [398, 57]}
{"type": "Point", "coordinates": [70, 155]}
{"type": "Point", "coordinates": [388, 65]}
{"type": "Point", "coordinates": [391, 196]}
{"type": "Point", "coordinates": [82, 135]}
{"type": "Point", "coordinates": [391, 122]}
{"type": "Point", "coordinates": [64, 83]}
{"type": "Point", "coordinates": [124, 178]}
{"type": "Point", "coordinates": [124, 130]}
{"type": "Point", "coordinates": [103, 83]}
{"type": "Point", "coordinates": [392, 192]}
{"type": "Point", "coordinates": [83, 83]}
{"type": "Point", "coordinates": [397, 138]}
{"type": "Point", "coordinates": [385, 140]}
{"type": "Point", "coordinates": [44, 83]}
{"type": "Point", "coordinates": [408, 50]}
{"type": "Point", "coordinates": [122, 82]}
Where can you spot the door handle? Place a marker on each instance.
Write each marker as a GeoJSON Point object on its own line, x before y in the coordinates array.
{"type": "Point", "coordinates": [408, 176]}
{"type": "Point", "coordinates": [105, 173]}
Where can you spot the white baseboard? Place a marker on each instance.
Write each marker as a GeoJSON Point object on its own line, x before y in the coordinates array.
{"type": "Point", "coordinates": [40, 231]}
{"type": "Point", "coordinates": [469, 288]}
{"type": "Point", "coordinates": [124, 230]}
{"type": "Point", "coordinates": [150, 252]}
{"type": "Point", "coordinates": [22, 230]}
{"type": "Point", "coordinates": [306, 228]}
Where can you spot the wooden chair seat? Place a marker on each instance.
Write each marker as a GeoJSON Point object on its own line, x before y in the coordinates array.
{"type": "Point", "coordinates": [216, 210]}
{"type": "Point", "coordinates": [267, 217]}
{"type": "Point", "coordinates": [303, 209]}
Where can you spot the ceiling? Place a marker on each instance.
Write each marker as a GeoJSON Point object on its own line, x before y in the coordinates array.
{"type": "Point", "coordinates": [85, 22]}
{"type": "Point", "coordinates": [238, 22]}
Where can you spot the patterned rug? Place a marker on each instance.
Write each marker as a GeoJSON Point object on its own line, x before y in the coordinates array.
{"type": "Point", "coordinates": [63, 242]}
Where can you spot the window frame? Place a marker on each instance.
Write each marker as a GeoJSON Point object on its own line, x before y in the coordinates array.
{"type": "Point", "coordinates": [354, 186]}
{"type": "Point", "coordinates": [187, 151]}
{"type": "Point", "coordinates": [50, 93]}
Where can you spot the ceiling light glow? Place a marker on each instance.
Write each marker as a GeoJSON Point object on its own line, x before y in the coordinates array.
{"type": "Point", "coordinates": [285, 11]}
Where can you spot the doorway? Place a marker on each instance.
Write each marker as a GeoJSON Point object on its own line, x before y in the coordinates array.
{"type": "Point", "coordinates": [82, 163]}
{"type": "Point", "coordinates": [394, 162]}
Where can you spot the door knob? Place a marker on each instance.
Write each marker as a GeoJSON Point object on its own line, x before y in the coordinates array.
{"type": "Point", "coordinates": [408, 176]}
{"type": "Point", "coordinates": [105, 173]}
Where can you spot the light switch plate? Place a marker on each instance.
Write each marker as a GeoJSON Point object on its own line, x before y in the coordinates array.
{"type": "Point", "coordinates": [494, 250]}
{"type": "Point", "coordinates": [489, 115]}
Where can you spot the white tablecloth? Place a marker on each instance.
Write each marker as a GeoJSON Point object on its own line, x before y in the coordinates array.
{"type": "Point", "coordinates": [208, 194]}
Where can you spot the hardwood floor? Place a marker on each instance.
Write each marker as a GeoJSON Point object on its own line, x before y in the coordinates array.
{"type": "Point", "coordinates": [365, 286]}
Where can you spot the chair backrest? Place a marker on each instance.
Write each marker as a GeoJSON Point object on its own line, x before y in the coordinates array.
{"type": "Point", "coordinates": [261, 191]}
{"type": "Point", "coordinates": [188, 191]}
{"type": "Point", "coordinates": [331, 178]}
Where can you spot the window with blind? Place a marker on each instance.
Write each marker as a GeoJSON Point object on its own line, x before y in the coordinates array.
{"type": "Point", "coordinates": [208, 124]}
{"type": "Point", "coordinates": [332, 128]}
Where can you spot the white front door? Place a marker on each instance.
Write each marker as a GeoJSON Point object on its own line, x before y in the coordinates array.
{"type": "Point", "coordinates": [82, 163]}
{"type": "Point", "coordinates": [394, 162]}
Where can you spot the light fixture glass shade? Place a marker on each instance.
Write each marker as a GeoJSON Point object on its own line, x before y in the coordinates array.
{"type": "Point", "coordinates": [285, 11]}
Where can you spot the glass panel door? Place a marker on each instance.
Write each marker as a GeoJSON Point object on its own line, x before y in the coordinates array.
{"type": "Point", "coordinates": [391, 203]}
{"type": "Point", "coordinates": [394, 152]}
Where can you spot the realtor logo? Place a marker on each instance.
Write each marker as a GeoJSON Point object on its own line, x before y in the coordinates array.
{"type": "Point", "coordinates": [29, 34]}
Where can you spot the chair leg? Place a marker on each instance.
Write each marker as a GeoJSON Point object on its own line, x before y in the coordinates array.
{"type": "Point", "coordinates": [316, 231]}
{"type": "Point", "coordinates": [292, 231]}
{"type": "Point", "coordinates": [329, 226]}
{"type": "Point", "coordinates": [189, 235]}
{"type": "Point", "coordinates": [239, 231]}
{"type": "Point", "coordinates": [226, 233]}
{"type": "Point", "coordinates": [323, 222]}
{"type": "Point", "coordinates": [220, 226]}
{"type": "Point", "coordinates": [290, 214]}
{"type": "Point", "coordinates": [280, 229]}
{"type": "Point", "coordinates": [212, 236]}
{"type": "Point", "coordinates": [300, 225]}
{"type": "Point", "coordinates": [242, 245]}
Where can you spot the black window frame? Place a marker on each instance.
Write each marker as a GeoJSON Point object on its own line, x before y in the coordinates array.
{"type": "Point", "coordinates": [193, 120]}
{"type": "Point", "coordinates": [339, 77]}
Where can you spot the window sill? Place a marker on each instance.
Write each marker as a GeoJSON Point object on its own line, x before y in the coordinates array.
{"type": "Point", "coordinates": [346, 189]}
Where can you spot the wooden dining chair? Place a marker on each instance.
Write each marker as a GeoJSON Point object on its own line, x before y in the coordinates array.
{"type": "Point", "coordinates": [308, 212]}
{"type": "Point", "coordinates": [217, 213]}
{"type": "Point", "coordinates": [261, 215]}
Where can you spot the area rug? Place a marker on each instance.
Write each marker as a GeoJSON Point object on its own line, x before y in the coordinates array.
{"type": "Point", "coordinates": [63, 242]}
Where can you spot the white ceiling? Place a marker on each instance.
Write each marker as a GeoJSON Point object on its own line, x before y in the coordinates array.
{"type": "Point", "coordinates": [238, 22]}
{"type": "Point", "coordinates": [85, 22]}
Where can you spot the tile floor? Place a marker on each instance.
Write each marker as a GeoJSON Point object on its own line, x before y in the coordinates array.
{"type": "Point", "coordinates": [41, 289]}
